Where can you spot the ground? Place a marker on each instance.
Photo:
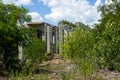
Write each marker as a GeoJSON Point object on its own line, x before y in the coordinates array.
{"type": "Point", "coordinates": [59, 68]}
{"type": "Point", "coordinates": [63, 69]}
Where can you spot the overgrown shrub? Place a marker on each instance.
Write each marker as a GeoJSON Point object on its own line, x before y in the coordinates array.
{"type": "Point", "coordinates": [107, 35]}
{"type": "Point", "coordinates": [78, 46]}
{"type": "Point", "coordinates": [108, 47]}
{"type": "Point", "coordinates": [34, 53]}
{"type": "Point", "coordinates": [48, 56]}
{"type": "Point", "coordinates": [10, 34]}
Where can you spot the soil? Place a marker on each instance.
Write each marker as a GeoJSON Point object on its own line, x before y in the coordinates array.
{"type": "Point", "coordinates": [58, 68]}
{"type": "Point", "coordinates": [63, 69]}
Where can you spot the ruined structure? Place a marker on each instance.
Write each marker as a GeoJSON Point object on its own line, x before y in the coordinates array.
{"type": "Point", "coordinates": [46, 32]}
{"type": "Point", "coordinates": [52, 35]}
{"type": "Point", "coordinates": [64, 30]}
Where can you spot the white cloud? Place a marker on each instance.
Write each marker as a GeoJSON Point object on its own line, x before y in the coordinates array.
{"type": "Point", "coordinates": [97, 3]}
{"type": "Point", "coordinates": [35, 16]}
{"type": "Point", "coordinates": [17, 2]}
{"type": "Point", "coordinates": [23, 2]}
{"type": "Point", "coordinates": [73, 10]}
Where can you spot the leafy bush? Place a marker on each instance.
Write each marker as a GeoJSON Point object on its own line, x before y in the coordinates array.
{"type": "Point", "coordinates": [48, 56]}
{"type": "Point", "coordinates": [10, 34]}
{"type": "Point", "coordinates": [34, 53]}
{"type": "Point", "coordinates": [108, 47]}
{"type": "Point", "coordinates": [78, 46]}
{"type": "Point", "coordinates": [107, 35]}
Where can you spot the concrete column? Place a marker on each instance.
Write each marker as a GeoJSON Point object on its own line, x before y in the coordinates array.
{"type": "Point", "coordinates": [43, 33]}
{"type": "Point", "coordinates": [45, 29]}
{"type": "Point", "coordinates": [56, 40]}
{"type": "Point", "coordinates": [60, 37]}
{"type": "Point", "coordinates": [48, 39]}
{"type": "Point", "coordinates": [20, 53]}
{"type": "Point", "coordinates": [51, 36]}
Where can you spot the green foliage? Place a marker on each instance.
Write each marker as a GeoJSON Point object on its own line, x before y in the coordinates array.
{"type": "Point", "coordinates": [33, 54]}
{"type": "Point", "coordinates": [107, 35]}
{"type": "Point", "coordinates": [48, 56]}
{"type": "Point", "coordinates": [99, 47]}
{"type": "Point", "coordinates": [109, 46]}
{"type": "Point", "coordinates": [112, 38]}
{"type": "Point", "coordinates": [35, 51]}
{"type": "Point", "coordinates": [78, 46]}
{"type": "Point", "coordinates": [70, 24]}
{"type": "Point", "coordinates": [12, 35]}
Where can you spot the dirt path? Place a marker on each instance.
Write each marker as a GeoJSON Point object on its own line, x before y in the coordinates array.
{"type": "Point", "coordinates": [60, 69]}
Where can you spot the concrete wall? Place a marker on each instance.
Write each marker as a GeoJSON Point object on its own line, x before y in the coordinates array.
{"type": "Point", "coordinates": [52, 37]}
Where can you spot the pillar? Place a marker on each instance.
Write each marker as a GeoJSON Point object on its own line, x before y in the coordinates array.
{"type": "Point", "coordinates": [48, 39]}
{"type": "Point", "coordinates": [60, 37]}
{"type": "Point", "coordinates": [20, 53]}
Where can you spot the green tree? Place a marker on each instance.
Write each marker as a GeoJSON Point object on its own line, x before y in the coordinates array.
{"type": "Point", "coordinates": [12, 35]}
{"type": "Point", "coordinates": [107, 35]}
{"type": "Point", "coordinates": [78, 46]}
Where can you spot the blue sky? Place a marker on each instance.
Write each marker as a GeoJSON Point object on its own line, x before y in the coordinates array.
{"type": "Point", "coordinates": [43, 9]}
{"type": "Point", "coordinates": [53, 11]}
{"type": "Point", "coordinates": [38, 7]}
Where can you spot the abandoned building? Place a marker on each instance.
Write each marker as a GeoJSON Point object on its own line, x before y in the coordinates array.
{"type": "Point", "coordinates": [52, 35]}
{"type": "Point", "coordinates": [46, 32]}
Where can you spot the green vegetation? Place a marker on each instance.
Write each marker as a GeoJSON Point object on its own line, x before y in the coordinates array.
{"type": "Point", "coordinates": [96, 48]}
{"type": "Point", "coordinates": [11, 35]}
{"type": "Point", "coordinates": [79, 47]}
{"type": "Point", "coordinates": [107, 35]}
{"type": "Point", "coordinates": [88, 49]}
{"type": "Point", "coordinates": [34, 53]}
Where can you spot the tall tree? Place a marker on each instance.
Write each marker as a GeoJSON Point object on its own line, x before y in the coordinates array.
{"type": "Point", "coordinates": [108, 36]}
{"type": "Point", "coordinates": [12, 35]}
